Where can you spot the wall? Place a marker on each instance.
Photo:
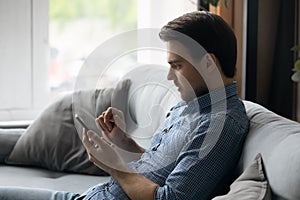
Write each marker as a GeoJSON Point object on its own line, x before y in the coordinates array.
{"type": "Point", "coordinates": [234, 16]}
{"type": "Point", "coordinates": [298, 88]}
{"type": "Point", "coordinates": [23, 63]}
{"type": "Point", "coordinates": [155, 14]}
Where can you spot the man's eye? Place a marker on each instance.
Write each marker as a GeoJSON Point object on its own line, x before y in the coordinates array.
{"type": "Point", "coordinates": [176, 66]}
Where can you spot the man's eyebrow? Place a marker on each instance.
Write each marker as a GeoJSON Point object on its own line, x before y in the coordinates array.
{"type": "Point", "coordinates": [175, 61]}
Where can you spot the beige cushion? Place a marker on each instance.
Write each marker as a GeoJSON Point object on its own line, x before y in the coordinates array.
{"type": "Point", "coordinates": [251, 184]}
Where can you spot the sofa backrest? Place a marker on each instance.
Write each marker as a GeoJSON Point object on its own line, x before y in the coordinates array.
{"type": "Point", "coordinates": [278, 141]}
{"type": "Point", "coordinates": [150, 97]}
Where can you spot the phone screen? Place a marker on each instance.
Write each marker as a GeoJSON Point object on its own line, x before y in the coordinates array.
{"type": "Point", "coordinates": [80, 120]}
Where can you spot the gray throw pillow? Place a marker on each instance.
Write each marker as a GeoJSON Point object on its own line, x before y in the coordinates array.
{"type": "Point", "coordinates": [251, 184]}
{"type": "Point", "coordinates": [52, 140]}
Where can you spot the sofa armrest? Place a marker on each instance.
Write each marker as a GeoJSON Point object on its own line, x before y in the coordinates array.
{"type": "Point", "coordinates": [8, 139]}
{"type": "Point", "coordinates": [20, 124]}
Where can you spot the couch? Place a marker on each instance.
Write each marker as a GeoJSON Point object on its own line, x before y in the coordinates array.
{"type": "Point", "coordinates": [271, 154]}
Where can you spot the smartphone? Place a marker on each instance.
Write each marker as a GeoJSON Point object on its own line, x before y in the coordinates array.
{"type": "Point", "coordinates": [80, 120]}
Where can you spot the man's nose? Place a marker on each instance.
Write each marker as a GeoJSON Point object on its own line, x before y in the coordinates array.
{"type": "Point", "coordinates": [170, 75]}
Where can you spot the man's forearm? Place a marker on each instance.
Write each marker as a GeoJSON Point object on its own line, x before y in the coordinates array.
{"type": "Point", "coordinates": [131, 150]}
{"type": "Point", "coordinates": [132, 146]}
{"type": "Point", "coordinates": [136, 186]}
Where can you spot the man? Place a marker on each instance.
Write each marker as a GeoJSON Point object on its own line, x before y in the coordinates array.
{"type": "Point", "coordinates": [198, 146]}
{"type": "Point", "coordinates": [188, 174]}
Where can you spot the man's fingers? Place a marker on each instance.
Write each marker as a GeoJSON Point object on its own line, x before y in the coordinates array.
{"type": "Point", "coordinates": [100, 141]}
{"type": "Point", "coordinates": [120, 122]}
{"type": "Point", "coordinates": [108, 118]}
{"type": "Point", "coordinates": [105, 143]}
{"type": "Point", "coordinates": [100, 124]}
{"type": "Point", "coordinates": [111, 116]}
{"type": "Point", "coordinates": [85, 140]}
{"type": "Point", "coordinates": [94, 137]}
{"type": "Point", "coordinates": [105, 135]}
{"type": "Point", "coordinates": [91, 141]}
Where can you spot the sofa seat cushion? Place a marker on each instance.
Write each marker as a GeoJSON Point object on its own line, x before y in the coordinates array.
{"type": "Point", "coordinates": [15, 176]}
{"type": "Point", "coordinates": [277, 139]}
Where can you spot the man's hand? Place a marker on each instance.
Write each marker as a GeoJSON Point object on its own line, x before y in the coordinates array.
{"type": "Point", "coordinates": [112, 151]}
{"type": "Point", "coordinates": [102, 153]}
{"type": "Point", "coordinates": [112, 124]}
{"type": "Point", "coordinates": [112, 117]}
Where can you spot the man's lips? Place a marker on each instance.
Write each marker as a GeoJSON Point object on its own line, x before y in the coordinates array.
{"type": "Point", "coordinates": [178, 87]}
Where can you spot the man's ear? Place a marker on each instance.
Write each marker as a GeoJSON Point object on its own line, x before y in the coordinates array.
{"type": "Point", "coordinates": [211, 73]}
{"type": "Point", "coordinates": [211, 62]}
{"type": "Point", "coordinates": [213, 57]}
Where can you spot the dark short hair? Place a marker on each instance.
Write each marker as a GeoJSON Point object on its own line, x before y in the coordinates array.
{"type": "Point", "coordinates": [211, 32]}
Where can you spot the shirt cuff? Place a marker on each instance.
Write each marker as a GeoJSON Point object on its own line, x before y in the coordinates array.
{"type": "Point", "coordinates": [158, 193]}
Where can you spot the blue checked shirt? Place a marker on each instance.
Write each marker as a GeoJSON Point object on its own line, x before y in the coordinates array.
{"type": "Point", "coordinates": [193, 151]}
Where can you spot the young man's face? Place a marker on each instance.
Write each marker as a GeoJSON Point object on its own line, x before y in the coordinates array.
{"type": "Point", "coordinates": [185, 76]}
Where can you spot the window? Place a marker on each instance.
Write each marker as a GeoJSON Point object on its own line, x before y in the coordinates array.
{"type": "Point", "coordinates": [23, 48]}
{"type": "Point", "coordinates": [76, 28]}
{"type": "Point", "coordinates": [44, 43]}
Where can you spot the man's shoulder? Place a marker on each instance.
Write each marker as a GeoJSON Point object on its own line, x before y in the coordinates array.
{"type": "Point", "coordinates": [233, 114]}
{"type": "Point", "coordinates": [237, 112]}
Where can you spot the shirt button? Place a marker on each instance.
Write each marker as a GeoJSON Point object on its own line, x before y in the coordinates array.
{"type": "Point", "coordinates": [156, 147]}
{"type": "Point", "coordinates": [140, 161]}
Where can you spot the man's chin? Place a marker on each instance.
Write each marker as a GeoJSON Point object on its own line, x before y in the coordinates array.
{"type": "Point", "coordinates": [186, 98]}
